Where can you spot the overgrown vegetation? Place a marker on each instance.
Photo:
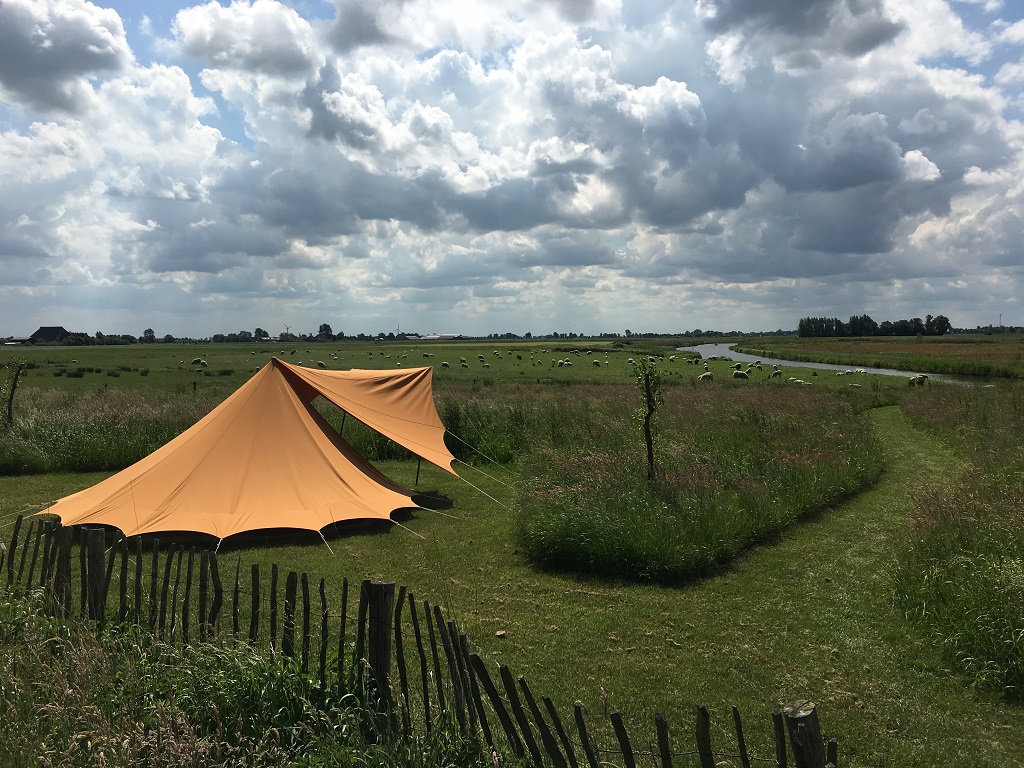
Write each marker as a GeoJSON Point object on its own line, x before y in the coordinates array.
{"type": "Point", "coordinates": [963, 578]}
{"type": "Point", "coordinates": [70, 698]}
{"type": "Point", "coordinates": [732, 471]}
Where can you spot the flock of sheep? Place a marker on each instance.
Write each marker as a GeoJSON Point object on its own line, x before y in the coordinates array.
{"type": "Point", "coordinates": [737, 370]}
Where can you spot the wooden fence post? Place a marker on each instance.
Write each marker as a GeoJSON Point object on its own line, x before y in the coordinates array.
{"type": "Point", "coordinates": [11, 551]}
{"type": "Point", "coordinates": [291, 589]}
{"type": "Point", "coordinates": [804, 734]}
{"type": "Point", "coordinates": [95, 542]}
{"type": "Point", "coordinates": [381, 609]}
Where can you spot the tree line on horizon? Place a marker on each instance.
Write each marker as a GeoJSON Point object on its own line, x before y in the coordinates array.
{"type": "Point", "coordinates": [864, 325]}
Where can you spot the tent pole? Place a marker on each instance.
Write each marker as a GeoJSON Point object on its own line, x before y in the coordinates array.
{"type": "Point", "coordinates": [418, 462]}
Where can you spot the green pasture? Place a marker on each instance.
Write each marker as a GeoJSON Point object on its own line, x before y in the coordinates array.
{"type": "Point", "coordinates": [167, 368]}
{"type": "Point", "coordinates": [810, 612]}
{"type": "Point", "coordinates": [977, 355]}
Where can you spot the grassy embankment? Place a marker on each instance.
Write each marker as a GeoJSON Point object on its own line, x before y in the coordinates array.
{"type": "Point", "coordinates": [997, 356]}
{"type": "Point", "coordinates": [810, 615]}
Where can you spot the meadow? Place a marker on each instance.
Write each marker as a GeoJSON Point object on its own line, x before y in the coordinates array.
{"type": "Point", "coordinates": [822, 602]}
{"type": "Point", "coordinates": [979, 355]}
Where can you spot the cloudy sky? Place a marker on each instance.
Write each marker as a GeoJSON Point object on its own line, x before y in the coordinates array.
{"type": "Point", "coordinates": [508, 165]}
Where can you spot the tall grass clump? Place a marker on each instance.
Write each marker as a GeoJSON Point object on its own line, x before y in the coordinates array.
{"type": "Point", "coordinates": [963, 577]}
{"type": "Point", "coordinates": [734, 467]}
{"type": "Point", "coordinates": [106, 430]}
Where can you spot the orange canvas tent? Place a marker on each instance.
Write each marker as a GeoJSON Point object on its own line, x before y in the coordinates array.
{"type": "Point", "coordinates": [265, 458]}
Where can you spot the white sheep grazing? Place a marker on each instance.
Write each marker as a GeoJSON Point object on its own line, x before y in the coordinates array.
{"type": "Point", "coordinates": [706, 376]}
{"type": "Point", "coordinates": [462, 359]}
{"type": "Point", "coordinates": [776, 374]}
{"type": "Point", "coordinates": [203, 363]}
{"type": "Point", "coordinates": [740, 375]}
{"type": "Point", "coordinates": [197, 361]}
{"type": "Point", "coordinates": [445, 365]}
{"type": "Point", "coordinates": [464, 364]}
{"type": "Point", "coordinates": [597, 363]}
{"type": "Point", "coordinates": [918, 380]}
{"type": "Point", "coordinates": [321, 364]}
{"type": "Point", "coordinates": [671, 358]}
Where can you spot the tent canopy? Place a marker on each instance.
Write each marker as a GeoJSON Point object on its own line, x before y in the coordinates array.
{"type": "Point", "coordinates": [264, 458]}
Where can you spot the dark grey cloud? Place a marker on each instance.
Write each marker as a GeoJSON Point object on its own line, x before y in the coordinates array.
{"type": "Point", "coordinates": [50, 49]}
{"type": "Point", "coordinates": [356, 24]}
{"type": "Point", "coordinates": [804, 30]}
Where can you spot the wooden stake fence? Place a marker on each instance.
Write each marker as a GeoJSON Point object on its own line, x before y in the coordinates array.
{"type": "Point", "coordinates": [443, 683]}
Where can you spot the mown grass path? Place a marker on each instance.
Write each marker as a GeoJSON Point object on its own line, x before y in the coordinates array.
{"type": "Point", "coordinates": [809, 616]}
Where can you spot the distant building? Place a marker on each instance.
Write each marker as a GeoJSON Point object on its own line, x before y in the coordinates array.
{"type": "Point", "coordinates": [49, 334]}
{"type": "Point", "coordinates": [441, 337]}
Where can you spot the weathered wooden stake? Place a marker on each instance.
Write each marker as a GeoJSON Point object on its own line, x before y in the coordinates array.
{"type": "Point", "coordinates": [254, 611]}
{"type": "Point", "coordinates": [324, 635]}
{"type": "Point", "coordinates": [581, 727]}
{"type": "Point", "coordinates": [545, 733]}
{"type": "Point", "coordinates": [305, 623]}
{"type": "Point", "coordinates": [498, 704]}
{"type": "Point", "coordinates": [403, 678]}
{"type": "Point", "coordinates": [707, 757]}
{"type": "Point", "coordinates": [619, 727]}
{"type": "Point", "coordinates": [381, 609]}
{"type": "Point", "coordinates": [664, 749]}
{"type": "Point", "coordinates": [185, 601]}
{"type": "Point", "coordinates": [218, 594]}
{"type": "Point", "coordinates": [804, 734]}
{"type": "Point", "coordinates": [424, 673]}
{"type": "Point", "coordinates": [291, 589]}
{"type": "Point", "coordinates": [744, 758]}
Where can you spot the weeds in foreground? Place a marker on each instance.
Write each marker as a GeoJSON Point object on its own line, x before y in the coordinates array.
{"type": "Point", "coordinates": [70, 698]}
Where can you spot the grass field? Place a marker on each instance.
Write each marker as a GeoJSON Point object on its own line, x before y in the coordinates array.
{"type": "Point", "coordinates": [809, 614]}
{"type": "Point", "coordinates": [999, 356]}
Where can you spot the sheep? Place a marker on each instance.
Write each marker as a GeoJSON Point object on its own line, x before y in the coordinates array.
{"type": "Point", "coordinates": [197, 361]}
{"type": "Point", "coordinates": [444, 364]}
{"type": "Point", "coordinates": [776, 374]}
{"type": "Point", "coordinates": [464, 364]}
{"type": "Point", "coordinates": [917, 380]}
{"type": "Point", "coordinates": [706, 376]}
{"type": "Point", "coordinates": [321, 364]}
{"type": "Point", "coordinates": [740, 375]}
{"type": "Point", "coordinates": [203, 363]}
{"type": "Point", "coordinates": [462, 359]}
{"type": "Point", "coordinates": [597, 363]}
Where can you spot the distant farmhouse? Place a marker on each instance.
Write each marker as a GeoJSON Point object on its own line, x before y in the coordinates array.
{"type": "Point", "coordinates": [47, 334]}
{"type": "Point", "coordinates": [50, 334]}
